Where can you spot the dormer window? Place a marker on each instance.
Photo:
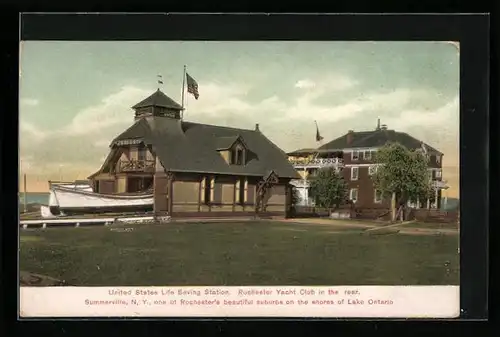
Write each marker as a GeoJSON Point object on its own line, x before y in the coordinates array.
{"type": "Point", "coordinates": [233, 149]}
{"type": "Point", "coordinates": [237, 155]}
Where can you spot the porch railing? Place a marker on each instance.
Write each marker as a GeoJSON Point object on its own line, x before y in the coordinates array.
{"type": "Point", "coordinates": [136, 166]}
{"type": "Point", "coordinates": [315, 162]}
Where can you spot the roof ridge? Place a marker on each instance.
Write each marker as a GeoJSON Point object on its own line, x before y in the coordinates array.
{"type": "Point", "coordinates": [155, 100]}
{"type": "Point", "coordinates": [222, 127]}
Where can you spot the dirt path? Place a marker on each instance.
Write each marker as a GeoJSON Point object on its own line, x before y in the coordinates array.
{"type": "Point", "coordinates": [373, 227]}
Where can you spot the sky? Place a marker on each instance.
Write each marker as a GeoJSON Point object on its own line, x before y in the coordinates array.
{"type": "Point", "coordinates": [75, 97]}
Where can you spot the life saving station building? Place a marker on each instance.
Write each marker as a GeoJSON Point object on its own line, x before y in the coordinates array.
{"type": "Point", "coordinates": [353, 154]}
{"type": "Point", "coordinates": [196, 169]}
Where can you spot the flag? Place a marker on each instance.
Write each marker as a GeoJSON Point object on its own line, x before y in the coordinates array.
{"type": "Point", "coordinates": [160, 79]}
{"type": "Point", "coordinates": [192, 86]}
{"type": "Point", "coordinates": [319, 138]}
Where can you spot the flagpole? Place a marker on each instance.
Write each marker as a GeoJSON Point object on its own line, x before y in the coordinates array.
{"type": "Point", "coordinates": [25, 196]}
{"type": "Point", "coordinates": [182, 97]}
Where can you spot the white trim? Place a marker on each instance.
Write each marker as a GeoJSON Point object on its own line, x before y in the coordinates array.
{"type": "Point", "coordinates": [374, 167]}
{"type": "Point", "coordinates": [350, 149]}
{"type": "Point", "coordinates": [351, 193]}
{"type": "Point", "coordinates": [375, 197]}
{"type": "Point", "coordinates": [352, 175]}
{"type": "Point", "coordinates": [361, 165]}
{"type": "Point", "coordinates": [352, 155]}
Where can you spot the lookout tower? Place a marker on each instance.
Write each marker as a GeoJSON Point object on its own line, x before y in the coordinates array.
{"type": "Point", "coordinates": [157, 105]}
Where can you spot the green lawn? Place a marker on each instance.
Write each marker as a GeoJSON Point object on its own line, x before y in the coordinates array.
{"type": "Point", "coordinates": [249, 253]}
{"type": "Point", "coordinates": [431, 225]}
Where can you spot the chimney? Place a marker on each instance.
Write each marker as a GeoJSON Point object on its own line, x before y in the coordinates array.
{"type": "Point", "coordinates": [257, 127]}
{"type": "Point", "coordinates": [378, 125]}
{"type": "Point", "coordinates": [350, 133]}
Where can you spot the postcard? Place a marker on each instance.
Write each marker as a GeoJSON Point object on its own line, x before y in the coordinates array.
{"type": "Point", "coordinates": [239, 179]}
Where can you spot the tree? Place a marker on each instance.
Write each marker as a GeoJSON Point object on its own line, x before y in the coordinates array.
{"type": "Point", "coordinates": [402, 174]}
{"type": "Point", "coordinates": [328, 188]}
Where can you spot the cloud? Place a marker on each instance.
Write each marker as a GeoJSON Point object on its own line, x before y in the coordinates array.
{"type": "Point", "coordinates": [113, 110]}
{"type": "Point", "coordinates": [31, 130]}
{"type": "Point", "coordinates": [29, 102]}
{"type": "Point", "coordinates": [442, 117]}
{"type": "Point", "coordinates": [335, 82]}
{"type": "Point", "coordinates": [438, 127]}
{"type": "Point", "coordinates": [304, 84]}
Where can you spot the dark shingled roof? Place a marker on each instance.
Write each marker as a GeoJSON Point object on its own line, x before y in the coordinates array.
{"type": "Point", "coordinates": [136, 131]}
{"type": "Point", "coordinates": [375, 138]}
{"type": "Point", "coordinates": [158, 98]}
{"type": "Point", "coordinates": [225, 143]}
{"type": "Point", "coordinates": [192, 147]}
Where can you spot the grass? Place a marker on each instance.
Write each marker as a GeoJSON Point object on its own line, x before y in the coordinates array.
{"type": "Point", "coordinates": [431, 225]}
{"type": "Point", "coordinates": [249, 253]}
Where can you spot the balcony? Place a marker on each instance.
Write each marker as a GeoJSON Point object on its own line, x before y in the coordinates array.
{"type": "Point", "coordinates": [315, 163]}
{"type": "Point", "coordinates": [136, 166]}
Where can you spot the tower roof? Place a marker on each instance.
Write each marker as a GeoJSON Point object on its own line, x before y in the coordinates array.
{"type": "Point", "coordinates": [158, 98]}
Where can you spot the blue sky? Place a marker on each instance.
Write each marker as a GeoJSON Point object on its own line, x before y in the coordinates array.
{"type": "Point", "coordinates": [76, 96]}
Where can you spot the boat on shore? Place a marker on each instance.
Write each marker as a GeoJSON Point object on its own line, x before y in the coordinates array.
{"type": "Point", "coordinates": [66, 199]}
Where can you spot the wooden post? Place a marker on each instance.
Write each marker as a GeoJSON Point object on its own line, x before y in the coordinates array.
{"type": "Point", "coordinates": [245, 192]}
{"type": "Point", "coordinates": [170, 192]}
{"type": "Point", "coordinates": [436, 198]}
{"type": "Point", "coordinates": [212, 187]}
{"type": "Point", "coordinates": [25, 202]}
{"type": "Point", "coordinates": [155, 208]}
{"type": "Point", "coordinates": [201, 196]}
{"type": "Point", "coordinates": [236, 193]}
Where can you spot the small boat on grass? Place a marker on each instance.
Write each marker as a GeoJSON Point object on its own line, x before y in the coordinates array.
{"type": "Point", "coordinates": [68, 199]}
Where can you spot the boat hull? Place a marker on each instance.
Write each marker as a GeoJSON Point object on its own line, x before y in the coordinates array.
{"type": "Point", "coordinates": [66, 200]}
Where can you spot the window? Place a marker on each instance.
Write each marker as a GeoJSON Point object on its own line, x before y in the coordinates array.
{"type": "Point", "coordinates": [354, 173]}
{"type": "Point", "coordinates": [207, 191]}
{"type": "Point", "coordinates": [233, 157]}
{"type": "Point", "coordinates": [355, 155]}
{"type": "Point", "coordinates": [141, 153]}
{"type": "Point", "coordinates": [438, 173]}
{"type": "Point", "coordinates": [438, 159]}
{"type": "Point", "coordinates": [239, 157]}
{"type": "Point", "coordinates": [378, 197]}
{"type": "Point", "coordinates": [368, 155]}
{"type": "Point", "coordinates": [353, 194]}
{"type": "Point", "coordinates": [372, 169]}
{"type": "Point", "coordinates": [242, 191]}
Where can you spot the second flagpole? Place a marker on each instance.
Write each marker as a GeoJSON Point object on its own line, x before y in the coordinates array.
{"type": "Point", "coordinates": [183, 88]}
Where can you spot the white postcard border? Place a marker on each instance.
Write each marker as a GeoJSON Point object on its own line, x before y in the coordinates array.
{"type": "Point", "coordinates": [271, 301]}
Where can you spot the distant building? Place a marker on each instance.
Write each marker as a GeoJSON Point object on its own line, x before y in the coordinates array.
{"type": "Point", "coordinates": [195, 169]}
{"type": "Point", "coordinates": [353, 154]}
